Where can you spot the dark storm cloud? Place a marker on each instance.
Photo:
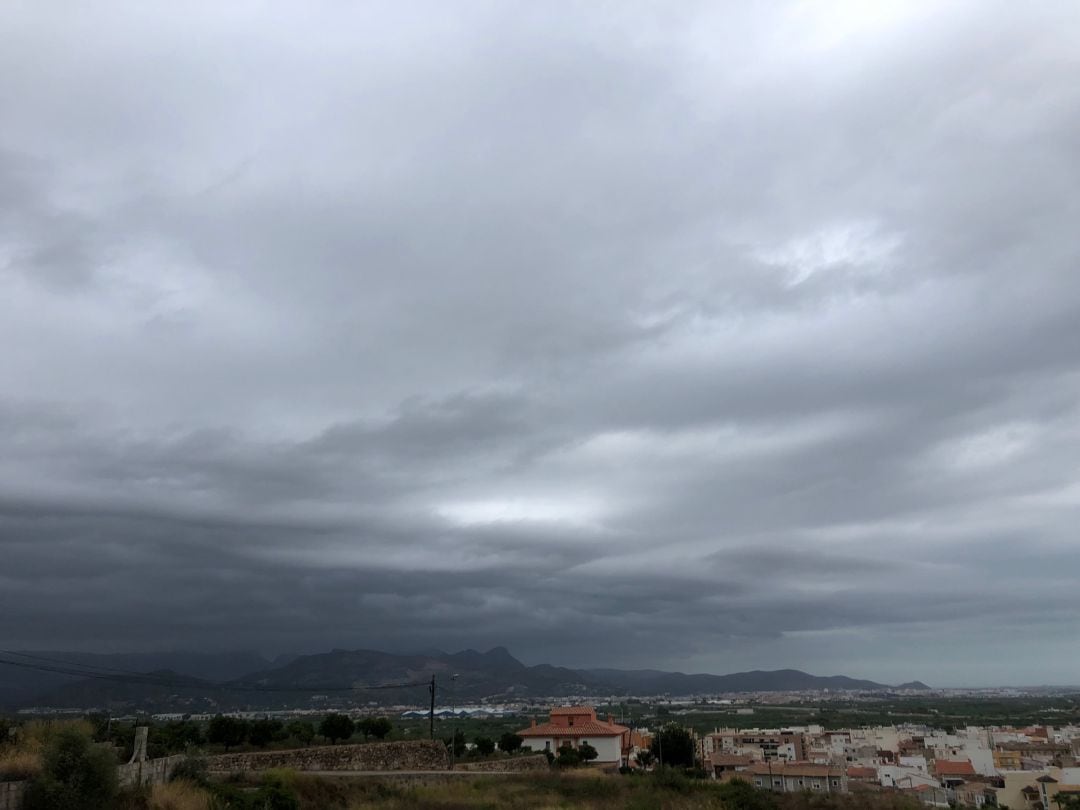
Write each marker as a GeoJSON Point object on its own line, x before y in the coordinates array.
{"type": "Point", "coordinates": [714, 338]}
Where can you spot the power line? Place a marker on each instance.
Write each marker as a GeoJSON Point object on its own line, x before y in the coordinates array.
{"type": "Point", "coordinates": [146, 679]}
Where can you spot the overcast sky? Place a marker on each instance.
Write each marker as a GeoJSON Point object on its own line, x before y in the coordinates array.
{"type": "Point", "coordinates": [694, 336]}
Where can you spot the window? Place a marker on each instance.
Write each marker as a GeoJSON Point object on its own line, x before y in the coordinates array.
{"type": "Point", "coordinates": [757, 783]}
{"type": "Point", "coordinates": [571, 721]}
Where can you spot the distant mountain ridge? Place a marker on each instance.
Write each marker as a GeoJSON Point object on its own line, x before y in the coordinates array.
{"type": "Point", "coordinates": [462, 676]}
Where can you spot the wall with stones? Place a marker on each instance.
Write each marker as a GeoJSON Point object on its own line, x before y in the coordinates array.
{"type": "Point", "coordinates": [147, 772]}
{"type": "Point", "coordinates": [536, 762]}
{"type": "Point", "coordinates": [418, 755]}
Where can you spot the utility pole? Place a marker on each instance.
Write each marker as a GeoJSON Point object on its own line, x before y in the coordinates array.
{"type": "Point", "coordinates": [431, 713]}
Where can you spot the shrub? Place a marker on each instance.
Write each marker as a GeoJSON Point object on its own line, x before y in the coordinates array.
{"type": "Point", "coordinates": [179, 796]}
{"type": "Point", "coordinates": [17, 765]}
{"type": "Point", "coordinates": [74, 775]}
{"type": "Point", "coordinates": [568, 757]}
{"type": "Point", "coordinates": [190, 769]}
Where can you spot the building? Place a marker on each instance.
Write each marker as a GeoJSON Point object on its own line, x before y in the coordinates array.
{"type": "Point", "coordinates": [761, 745]}
{"type": "Point", "coordinates": [721, 764]}
{"type": "Point", "coordinates": [576, 725]}
{"type": "Point", "coordinates": [793, 777]}
{"type": "Point", "coordinates": [951, 773]}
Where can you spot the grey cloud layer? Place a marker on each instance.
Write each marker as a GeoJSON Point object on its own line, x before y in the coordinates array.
{"type": "Point", "coordinates": [708, 339]}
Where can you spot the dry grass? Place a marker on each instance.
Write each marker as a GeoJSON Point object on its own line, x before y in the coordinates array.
{"type": "Point", "coordinates": [35, 735]}
{"type": "Point", "coordinates": [179, 796]}
{"type": "Point", "coordinates": [16, 765]}
{"type": "Point", "coordinates": [22, 759]}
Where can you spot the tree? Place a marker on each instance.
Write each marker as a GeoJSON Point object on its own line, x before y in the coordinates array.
{"type": "Point", "coordinates": [302, 731]}
{"type": "Point", "coordinates": [377, 727]}
{"type": "Point", "coordinates": [645, 758]}
{"type": "Point", "coordinates": [510, 742]}
{"type": "Point", "coordinates": [673, 745]}
{"type": "Point", "coordinates": [179, 735]}
{"type": "Point", "coordinates": [568, 757]}
{"type": "Point", "coordinates": [456, 744]}
{"type": "Point", "coordinates": [485, 746]}
{"type": "Point", "coordinates": [587, 752]}
{"type": "Point", "coordinates": [74, 775]}
{"type": "Point", "coordinates": [337, 727]}
{"type": "Point", "coordinates": [262, 732]}
{"type": "Point", "coordinates": [227, 731]}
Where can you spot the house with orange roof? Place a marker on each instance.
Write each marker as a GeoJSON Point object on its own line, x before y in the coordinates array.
{"type": "Point", "coordinates": [576, 725]}
{"type": "Point", "coordinates": [951, 773]}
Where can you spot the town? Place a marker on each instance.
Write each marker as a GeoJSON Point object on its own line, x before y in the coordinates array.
{"type": "Point", "coordinates": [1022, 767]}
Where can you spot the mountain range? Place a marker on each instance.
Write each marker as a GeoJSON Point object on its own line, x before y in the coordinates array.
{"type": "Point", "coordinates": [214, 681]}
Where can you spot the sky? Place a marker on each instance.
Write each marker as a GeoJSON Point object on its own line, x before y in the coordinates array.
{"type": "Point", "coordinates": [696, 336]}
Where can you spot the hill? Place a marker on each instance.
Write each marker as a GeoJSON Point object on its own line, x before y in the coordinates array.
{"type": "Point", "coordinates": [344, 677]}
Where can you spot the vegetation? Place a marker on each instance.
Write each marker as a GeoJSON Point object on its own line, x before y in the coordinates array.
{"type": "Point", "coordinates": [583, 789]}
{"type": "Point", "coordinates": [337, 727]}
{"type": "Point", "coordinates": [75, 775]}
{"type": "Point", "coordinates": [673, 745]}
{"type": "Point", "coordinates": [510, 742]}
{"type": "Point", "coordinates": [377, 727]}
{"type": "Point", "coordinates": [227, 731]}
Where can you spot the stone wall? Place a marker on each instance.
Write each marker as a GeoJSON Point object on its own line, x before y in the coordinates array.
{"type": "Point", "coordinates": [147, 772]}
{"type": "Point", "coordinates": [535, 762]}
{"type": "Point", "coordinates": [419, 755]}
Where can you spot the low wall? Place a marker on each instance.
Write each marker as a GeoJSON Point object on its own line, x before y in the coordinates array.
{"type": "Point", "coordinates": [536, 762]}
{"type": "Point", "coordinates": [419, 755]}
{"type": "Point", "coordinates": [11, 795]}
{"type": "Point", "coordinates": [147, 772]}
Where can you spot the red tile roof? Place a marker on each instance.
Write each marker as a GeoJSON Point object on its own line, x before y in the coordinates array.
{"type": "Point", "coordinates": [953, 767]}
{"type": "Point", "coordinates": [587, 728]}
{"type": "Point", "coordinates": [862, 773]}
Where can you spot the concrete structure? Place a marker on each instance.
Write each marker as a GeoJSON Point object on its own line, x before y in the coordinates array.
{"type": "Point", "coordinates": [575, 725]}
{"type": "Point", "coordinates": [794, 777]}
{"type": "Point", "coordinates": [785, 745]}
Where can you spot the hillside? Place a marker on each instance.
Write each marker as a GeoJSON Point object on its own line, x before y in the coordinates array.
{"type": "Point", "coordinates": [330, 678]}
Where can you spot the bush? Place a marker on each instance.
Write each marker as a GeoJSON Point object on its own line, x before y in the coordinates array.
{"type": "Point", "coordinates": [190, 769]}
{"type": "Point", "coordinates": [19, 765]}
{"type": "Point", "coordinates": [485, 746]}
{"type": "Point", "coordinates": [74, 775]}
{"type": "Point", "coordinates": [568, 757]}
{"type": "Point", "coordinates": [179, 796]}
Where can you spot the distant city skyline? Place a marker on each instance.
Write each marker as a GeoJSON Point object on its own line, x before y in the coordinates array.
{"type": "Point", "coordinates": [708, 338]}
